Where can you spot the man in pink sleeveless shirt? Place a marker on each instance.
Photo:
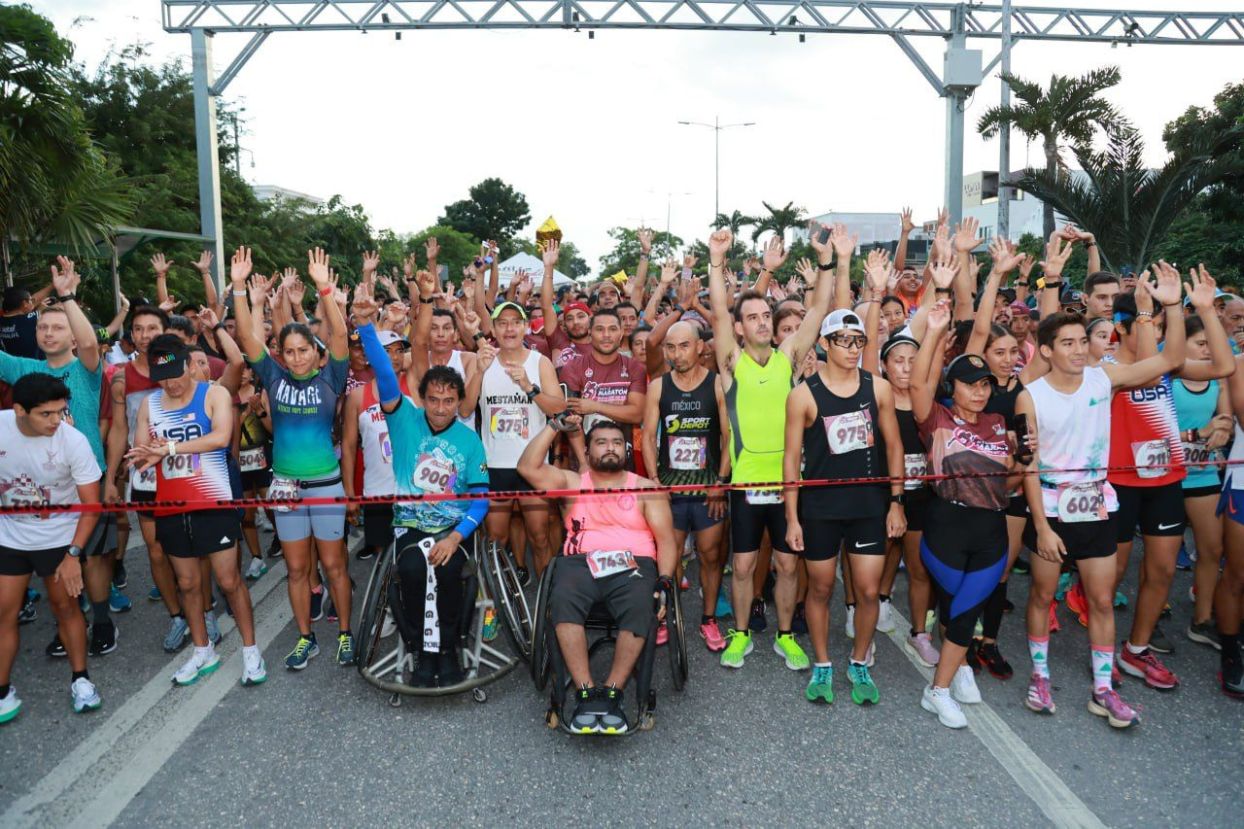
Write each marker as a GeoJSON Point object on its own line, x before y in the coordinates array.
{"type": "Point", "coordinates": [617, 548]}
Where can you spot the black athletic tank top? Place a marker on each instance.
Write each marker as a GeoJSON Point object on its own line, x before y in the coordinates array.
{"type": "Point", "coordinates": [915, 459]}
{"type": "Point", "coordinates": [688, 434]}
{"type": "Point", "coordinates": [1002, 400]}
{"type": "Point", "coordinates": [844, 441]}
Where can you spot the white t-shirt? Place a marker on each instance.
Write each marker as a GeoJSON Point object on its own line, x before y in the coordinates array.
{"type": "Point", "coordinates": [42, 470]}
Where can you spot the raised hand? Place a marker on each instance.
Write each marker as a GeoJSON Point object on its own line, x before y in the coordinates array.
{"type": "Point", "coordinates": [390, 286]}
{"type": "Point", "coordinates": [824, 249]}
{"type": "Point", "coordinates": [1026, 263]}
{"type": "Point", "coordinates": [939, 317]}
{"type": "Point", "coordinates": [485, 355]}
{"type": "Point", "coordinates": [364, 306]}
{"type": "Point", "coordinates": [395, 314]}
{"type": "Point", "coordinates": [774, 255]}
{"type": "Point", "coordinates": [689, 260]}
{"type": "Point", "coordinates": [552, 251]}
{"type": "Point", "coordinates": [943, 273]}
{"type": "Point", "coordinates": [65, 278]}
{"type": "Point", "coordinates": [669, 271]}
{"type": "Point", "coordinates": [842, 240]}
{"type": "Point", "coordinates": [259, 287]}
{"type": "Point", "coordinates": [240, 266]}
{"type": "Point", "coordinates": [1169, 287]}
{"type": "Point", "coordinates": [719, 246]}
{"type": "Point", "coordinates": [160, 265]}
{"type": "Point", "coordinates": [942, 248]}
{"type": "Point", "coordinates": [965, 235]}
{"type": "Point", "coordinates": [433, 248]}
{"type": "Point", "coordinates": [806, 270]}
{"type": "Point", "coordinates": [371, 261]}
{"type": "Point", "coordinates": [777, 291]}
{"type": "Point", "coordinates": [644, 236]}
{"type": "Point", "coordinates": [427, 284]}
{"type": "Point", "coordinates": [750, 265]}
{"type": "Point", "coordinates": [1056, 255]}
{"type": "Point", "coordinates": [879, 270]}
{"type": "Point", "coordinates": [1201, 288]}
{"type": "Point", "coordinates": [317, 267]}
{"type": "Point", "coordinates": [1004, 254]}
{"type": "Point", "coordinates": [204, 263]}
{"type": "Point", "coordinates": [207, 318]}
{"type": "Point", "coordinates": [905, 217]}
{"type": "Point", "coordinates": [943, 218]}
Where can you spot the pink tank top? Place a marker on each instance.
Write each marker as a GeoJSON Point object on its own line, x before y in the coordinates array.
{"type": "Point", "coordinates": [608, 522]}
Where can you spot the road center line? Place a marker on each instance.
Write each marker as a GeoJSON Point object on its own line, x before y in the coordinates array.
{"type": "Point", "coordinates": [80, 771]}
{"type": "Point", "coordinates": [1052, 796]}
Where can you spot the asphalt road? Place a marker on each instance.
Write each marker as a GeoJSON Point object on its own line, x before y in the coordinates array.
{"type": "Point", "coordinates": [735, 748]}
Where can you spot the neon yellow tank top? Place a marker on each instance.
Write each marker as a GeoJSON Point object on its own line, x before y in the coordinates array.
{"type": "Point", "coordinates": [756, 403]}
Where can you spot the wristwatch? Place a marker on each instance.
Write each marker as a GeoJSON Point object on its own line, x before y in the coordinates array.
{"type": "Point", "coordinates": [66, 297]}
{"type": "Point", "coordinates": [897, 498]}
{"type": "Point", "coordinates": [534, 393]}
{"type": "Point", "coordinates": [829, 266]}
{"type": "Point", "coordinates": [75, 551]}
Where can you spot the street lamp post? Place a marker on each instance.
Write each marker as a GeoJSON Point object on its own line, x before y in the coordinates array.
{"type": "Point", "coordinates": [717, 128]}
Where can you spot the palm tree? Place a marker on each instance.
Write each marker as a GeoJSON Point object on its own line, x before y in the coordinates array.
{"type": "Point", "coordinates": [735, 220]}
{"type": "Point", "coordinates": [1070, 109]}
{"type": "Point", "coordinates": [1127, 206]}
{"type": "Point", "coordinates": [779, 220]}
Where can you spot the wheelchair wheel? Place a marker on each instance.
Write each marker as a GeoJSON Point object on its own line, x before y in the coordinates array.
{"type": "Point", "coordinates": [372, 609]}
{"type": "Point", "coordinates": [677, 645]}
{"type": "Point", "coordinates": [507, 592]}
{"type": "Point", "coordinates": [541, 661]}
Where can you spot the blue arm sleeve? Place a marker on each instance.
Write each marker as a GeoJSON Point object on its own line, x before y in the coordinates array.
{"type": "Point", "coordinates": [386, 380]}
{"type": "Point", "coordinates": [475, 514]}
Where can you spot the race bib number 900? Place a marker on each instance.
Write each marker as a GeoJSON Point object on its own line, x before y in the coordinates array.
{"type": "Point", "coordinates": [434, 475]}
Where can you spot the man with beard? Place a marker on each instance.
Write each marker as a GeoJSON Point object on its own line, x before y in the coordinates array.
{"type": "Point", "coordinates": [603, 384]}
{"type": "Point", "coordinates": [618, 545]}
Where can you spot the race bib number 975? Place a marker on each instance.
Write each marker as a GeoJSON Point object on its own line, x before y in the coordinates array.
{"type": "Point", "coordinates": [849, 432]}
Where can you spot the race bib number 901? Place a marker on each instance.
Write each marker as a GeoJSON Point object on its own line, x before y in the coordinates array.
{"type": "Point", "coordinates": [180, 466]}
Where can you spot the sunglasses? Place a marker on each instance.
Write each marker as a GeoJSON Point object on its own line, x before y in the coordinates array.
{"type": "Point", "coordinates": [849, 342]}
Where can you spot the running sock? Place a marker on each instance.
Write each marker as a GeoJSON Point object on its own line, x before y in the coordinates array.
{"type": "Point", "coordinates": [991, 620]}
{"type": "Point", "coordinates": [100, 614]}
{"type": "Point", "coordinates": [1230, 647]}
{"type": "Point", "coordinates": [1039, 652]}
{"type": "Point", "coordinates": [204, 653]}
{"type": "Point", "coordinates": [883, 597]}
{"type": "Point", "coordinates": [345, 632]}
{"type": "Point", "coordinates": [4, 690]}
{"type": "Point", "coordinates": [783, 632]}
{"type": "Point", "coordinates": [707, 620]}
{"type": "Point", "coordinates": [1132, 649]}
{"type": "Point", "coordinates": [829, 664]}
{"type": "Point", "coordinates": [1102, 660]}
{"type": "Point", "coordinates": [76, 676]}
{"type": "Point", "coordinates": [250, 651]}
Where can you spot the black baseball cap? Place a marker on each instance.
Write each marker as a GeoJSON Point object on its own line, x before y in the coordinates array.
{"type": "Point", "coordinates": [969, 368]}
{"type": "Point", "coordinates": [166, 358]}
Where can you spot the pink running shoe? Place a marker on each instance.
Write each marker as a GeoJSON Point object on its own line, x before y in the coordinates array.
{"type": "Point", "coordinates": [1054, 625]}
{"type": "Point", "coordinates": [711, 634]}
{"type": "Point", "coordinates": [1040, 699]}
{"type": "Point", "coordinates": [1148, 667]}
{"type": "Point", "coordinates": [663, 634]}
{"type": "Point", "coordinates": [1110, 705]}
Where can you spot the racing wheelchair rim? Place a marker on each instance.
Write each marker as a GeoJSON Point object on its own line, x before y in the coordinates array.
{"type": "Point", "coordinates": [371, 610]}
{"type": "Point", "coordinates": [501, 576]}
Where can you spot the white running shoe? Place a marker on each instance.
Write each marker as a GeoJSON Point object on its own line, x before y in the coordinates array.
{"type": "Point", "coordinates": [938, 701]}
{"type": "Point", "coordinates": [254, 671]}
{"type": "Point", "coordinates": [885, 617]}
{"type": "Point", "coordinates": [963, 686]}
{"type": "Point", "coordinates": [256, 569]}
{"type": "Point", "coordinates": [10, 705]}
{"type": "Point", "coordinates": [201, 663]}
{"type": "Point", "coordinates": [85, 697]}
{"type": "Point", "coordinates": [850, 622]}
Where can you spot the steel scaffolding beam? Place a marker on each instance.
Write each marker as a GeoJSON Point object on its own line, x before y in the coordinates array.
{"type": "Point", "coordinates": [955, 23]}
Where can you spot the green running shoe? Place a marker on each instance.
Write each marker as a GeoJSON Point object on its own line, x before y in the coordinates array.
{"type": "Point", "coordinates": [786, 647]}
{"type": "Point", "coordinates": [863, 690]}
{"type": "Point", "coordinates": [345, 649]}
{"type": "Point", "coordinates": [821, 685]}
{"type": "Point", "coordinates": [738, 645]}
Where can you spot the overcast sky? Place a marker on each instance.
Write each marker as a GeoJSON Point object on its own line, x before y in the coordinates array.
{"type": "Point", "coordinates": [588, 129]}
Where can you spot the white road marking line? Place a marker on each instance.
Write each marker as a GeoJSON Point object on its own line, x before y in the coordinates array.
{"type": "Point", "coordinates": [1052, 796]}
{"type": "Point", "coordinates": [86, 762]}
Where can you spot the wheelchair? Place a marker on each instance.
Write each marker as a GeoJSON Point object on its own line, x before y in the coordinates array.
{"type": "Point", "coordinates": [547, 663]}
{"type": "Point", "coordinates": [386, 657]}
{"type": "Point", "coordinates": [501, 578]}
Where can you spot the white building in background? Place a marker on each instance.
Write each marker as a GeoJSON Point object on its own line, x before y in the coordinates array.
{"type": "Point", "coordinates": [272, 192]}
{"type": "Point", "coordinates": [980, 202]}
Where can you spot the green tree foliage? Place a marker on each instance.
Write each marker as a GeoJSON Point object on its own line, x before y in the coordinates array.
{"type": "Point", "coordinates": [1069, 109]}
{"type": "Point", "coordinates": [569, 260]}
{"type": "Point", "coordinates": [55, 184]}
{"type": "Point", "coordinates": [625, 253]}
{"type": "Point", "coordinates": [779, 220]}
{"type": "Point", "coordinates": [734, 220]}
{"type": "Point", "coordinates": [495, 210]}
{"type": "Point", "coordinates": [1211, 230]}
{"type": "Point", "coordinates": [458, 249]}
{"type": "Point", "coordinates": [1129, 207]}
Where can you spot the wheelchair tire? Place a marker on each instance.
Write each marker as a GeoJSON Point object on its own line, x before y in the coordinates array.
{"type": "Point", "coordinates": [371, 609]}
{"type": "Point", "coordinates": [677, 645]}
{"type": "Point", "coordinates": [541, 661]}
{"type": "Point", "coordinates": [504, 588]}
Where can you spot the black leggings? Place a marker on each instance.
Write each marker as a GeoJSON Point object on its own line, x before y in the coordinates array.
{"type": "Point", "coordinates": [412, 571]}
{"type": "Point", "coordinates": [964, 550]}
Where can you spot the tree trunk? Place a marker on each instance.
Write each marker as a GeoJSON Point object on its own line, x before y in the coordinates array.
{"type": "Point", "coordinates": [1051, 167]}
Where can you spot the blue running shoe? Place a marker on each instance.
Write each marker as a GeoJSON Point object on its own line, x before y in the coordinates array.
{"type": "Point", "coordinates": [1065, 581]}
{"type": "Point", "coordinates": [153, 595]}
{"type": "Point", "coordinates": [302, 653]}
{"type": "Point", "coordinates": [178, 633]}
{"type": "Point", "coordinates": [1184, 561]}
{"type": "Point", "coordinates": [724, 609]}
{"type": "Point", "coordinates": [118, 602]}
{"type": "Point", "coordinates": [213, 629]}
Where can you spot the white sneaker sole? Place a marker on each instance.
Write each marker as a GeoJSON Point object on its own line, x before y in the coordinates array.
{"type": "Point", "coordinates": [932, 709]}
{"type": "Point", "coordinates": [791, 665]}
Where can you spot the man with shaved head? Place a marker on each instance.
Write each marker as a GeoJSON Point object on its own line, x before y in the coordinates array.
{"type": "Point", "coordinates": [686, 432]}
